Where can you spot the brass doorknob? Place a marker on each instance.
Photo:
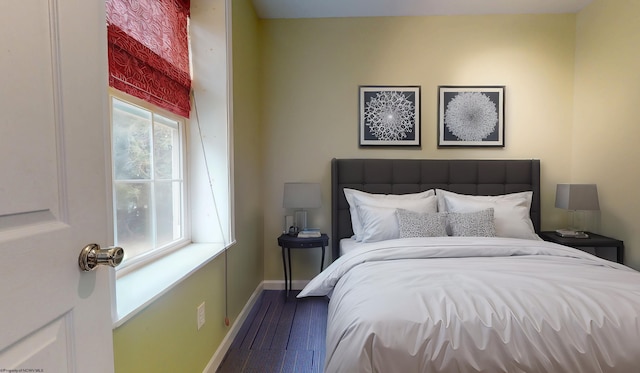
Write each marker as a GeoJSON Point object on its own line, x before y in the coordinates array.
{"type": "Point", "coordinates": [92, 256]}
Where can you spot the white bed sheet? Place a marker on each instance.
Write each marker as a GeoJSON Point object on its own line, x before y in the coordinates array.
{"type": "Point", "coordinates": [349, 244]}
{"type": "Point", "coordinates": [461, 304]}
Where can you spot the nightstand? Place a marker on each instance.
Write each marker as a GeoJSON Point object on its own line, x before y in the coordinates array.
{"type": "Point", "coordinates": [287, 242]}
{"type": "Point", "coordinates": [600, 246]}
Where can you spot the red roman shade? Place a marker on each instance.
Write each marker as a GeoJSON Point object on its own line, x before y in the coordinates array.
{"type": "Point", "coordinates": [149, 51]}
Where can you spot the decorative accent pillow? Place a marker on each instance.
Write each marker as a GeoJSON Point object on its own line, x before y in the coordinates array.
{"type": "Point", "coordinates": [415, 224]}
{"type": "Point", "coordinates": [511, 211]}
{"type": "Point", "coordinates": [424, 200]}
{"type": "Point", "coordinates": [472, 224]}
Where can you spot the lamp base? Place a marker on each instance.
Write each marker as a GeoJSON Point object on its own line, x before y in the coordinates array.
{"type": "Point", "coordinates": [301, 219]}
{"type": "Point", "coordinates": [568, 233]}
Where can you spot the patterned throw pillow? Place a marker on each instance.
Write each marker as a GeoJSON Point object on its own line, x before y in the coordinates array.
{"type": "Point", "coordinates": [416, 224]}
{"type": "Point", "coordinates": [472, 224]}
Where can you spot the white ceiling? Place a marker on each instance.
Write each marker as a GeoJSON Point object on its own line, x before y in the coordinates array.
{"type": "Point", "coordinates": [376, 8]}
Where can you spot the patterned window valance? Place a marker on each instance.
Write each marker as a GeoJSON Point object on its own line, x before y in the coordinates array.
{"type": "Point", "coordinates": [149, 51]}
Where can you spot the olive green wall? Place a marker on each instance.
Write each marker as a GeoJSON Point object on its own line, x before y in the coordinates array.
{"type": "Point", "coordinates": [606, 125]}
{"type": "Point", "coordinates": [311, 70]}
{"type": "Point", "coordinates": [164, 336]}
{"type": "Point", "coordinates": [248, 257]}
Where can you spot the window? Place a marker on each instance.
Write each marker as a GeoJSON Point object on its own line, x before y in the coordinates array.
{"type": "Point", "coordinates": [206, 152]}
{"type": "Point", "coordinates": [148, 179]}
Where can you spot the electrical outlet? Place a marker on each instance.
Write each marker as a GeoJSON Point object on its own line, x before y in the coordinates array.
{"type": "Point", "coordinates": [200, 315]}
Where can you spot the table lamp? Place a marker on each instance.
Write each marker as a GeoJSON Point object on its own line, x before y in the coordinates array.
{"type": "Point", "coordinates": [576, 197]}
{"type": "Point", "coordinates": [301, 196]}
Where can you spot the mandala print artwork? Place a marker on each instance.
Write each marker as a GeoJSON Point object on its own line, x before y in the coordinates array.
{"type": "Point", "coordinates": [471, 116]}
{"type": "Point", "coordinates": [390, 116]}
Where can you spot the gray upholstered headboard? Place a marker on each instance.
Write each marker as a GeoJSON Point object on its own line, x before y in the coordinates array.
{"type": "Point", "coordinates": [401, 176]}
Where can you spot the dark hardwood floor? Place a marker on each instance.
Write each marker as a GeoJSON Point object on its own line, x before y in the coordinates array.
{"type": "Point", "coordinates": [281, 334]}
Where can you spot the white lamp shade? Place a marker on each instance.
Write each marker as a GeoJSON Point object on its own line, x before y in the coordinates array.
{"type": "Point", "coordinates": [301, 196]}
{"type": "Point", "coordinates": [577, 197]}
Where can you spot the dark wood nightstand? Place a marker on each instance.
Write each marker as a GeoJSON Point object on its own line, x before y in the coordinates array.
{"type": "Point", "coordinates": [600, 246]}
{"type": "Point", "coordinates": [287, 242]}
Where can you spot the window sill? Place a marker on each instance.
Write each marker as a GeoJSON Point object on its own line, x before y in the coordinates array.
{"type": "Point", "coordinates": [134, 290]}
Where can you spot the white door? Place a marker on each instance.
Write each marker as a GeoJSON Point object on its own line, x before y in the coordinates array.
{"type": "Point", "coordinates": [53, 186]}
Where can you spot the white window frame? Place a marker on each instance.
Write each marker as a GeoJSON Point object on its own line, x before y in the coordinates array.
{"type": "Point", "coordinates": [138, 261]}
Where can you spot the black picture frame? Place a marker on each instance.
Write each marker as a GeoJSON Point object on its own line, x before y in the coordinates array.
{"type": "Point", "coordinates": [471, 116]}
{"type": "Point", "coordinates": [389, 116]}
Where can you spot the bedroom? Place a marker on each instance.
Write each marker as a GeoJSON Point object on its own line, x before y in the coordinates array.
{"type": "Point", "coordinates": [561, 74]}
{"type": "Point", "coordinates": [571, 83]}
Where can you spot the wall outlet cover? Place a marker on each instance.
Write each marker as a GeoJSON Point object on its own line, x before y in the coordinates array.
{"type": "Point", "coordinates": [200, 316]}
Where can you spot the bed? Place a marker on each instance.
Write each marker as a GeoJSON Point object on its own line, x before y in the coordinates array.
{"type": "Point", "coordinates": [445, 273]}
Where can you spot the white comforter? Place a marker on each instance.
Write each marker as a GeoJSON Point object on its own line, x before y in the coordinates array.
{"type": "Point", "coordinates": [457, 304]}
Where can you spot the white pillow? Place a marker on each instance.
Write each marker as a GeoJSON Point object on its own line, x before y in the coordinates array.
{"type": "Point", "coordinates": [379, 222]}
{"type": "Point", "coordinates": [441, 194]}
{"type": "Point", "coordinates": [511, 214]}
{"type": "Point", "coordinates": [383, 200]}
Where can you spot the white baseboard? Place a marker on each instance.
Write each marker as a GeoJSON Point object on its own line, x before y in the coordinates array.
{"type": "Point", "coordinates": [220, 353]}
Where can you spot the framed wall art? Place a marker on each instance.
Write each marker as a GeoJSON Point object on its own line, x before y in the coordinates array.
{"type": "Point", "coordinates": [389, 115]}
{"type": "Point", "coordinates": [471, 116]}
